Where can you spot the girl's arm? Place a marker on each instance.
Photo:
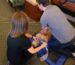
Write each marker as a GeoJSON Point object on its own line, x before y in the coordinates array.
{"type": "Point", "coordinates": [33, 50]}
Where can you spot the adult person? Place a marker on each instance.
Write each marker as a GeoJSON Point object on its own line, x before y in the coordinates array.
{"type": "Point", "coordinates": [62, 31]}
{"type": "Point", "coordinates": [19, 46]}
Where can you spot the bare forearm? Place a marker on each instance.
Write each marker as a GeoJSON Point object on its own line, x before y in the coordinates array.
{"type": "Point", "coordinates": [33, 50]}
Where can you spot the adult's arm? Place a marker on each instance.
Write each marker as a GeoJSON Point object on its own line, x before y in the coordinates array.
{"type": "Point", "coordinates": [33, 50]}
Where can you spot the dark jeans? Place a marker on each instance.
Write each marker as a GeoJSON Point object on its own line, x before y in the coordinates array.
{"type": "Point", "coordinates": [66, 48]}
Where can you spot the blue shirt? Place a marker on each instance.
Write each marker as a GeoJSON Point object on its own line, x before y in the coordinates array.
{"type": "Point", "coordinates": [55, 20]}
